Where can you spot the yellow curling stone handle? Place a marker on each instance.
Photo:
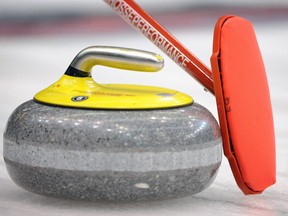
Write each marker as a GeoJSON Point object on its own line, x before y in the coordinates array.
{"type": "Point", "coordinates": [76, 88]}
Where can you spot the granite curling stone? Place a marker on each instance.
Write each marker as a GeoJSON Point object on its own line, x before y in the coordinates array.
{"type": "Point", "coordinates": [123, 154]}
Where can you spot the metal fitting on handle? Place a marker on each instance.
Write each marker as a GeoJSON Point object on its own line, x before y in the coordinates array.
{"type": "Point", "coordinates": [117, 57]}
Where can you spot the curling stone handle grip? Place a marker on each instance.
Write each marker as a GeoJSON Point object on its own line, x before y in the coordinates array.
{"type": "Point", "coordinates": [117, 57]}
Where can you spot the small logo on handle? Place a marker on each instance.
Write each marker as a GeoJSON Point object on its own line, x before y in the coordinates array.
{"type": "Point", "coordinates": [79, 98]}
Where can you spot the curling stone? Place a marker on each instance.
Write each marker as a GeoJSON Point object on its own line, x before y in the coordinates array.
{"type": "Point", "coordinates": [78, 139]}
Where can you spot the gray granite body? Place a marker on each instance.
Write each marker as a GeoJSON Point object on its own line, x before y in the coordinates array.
{"type": "Point", "coordinates": [112, 155]}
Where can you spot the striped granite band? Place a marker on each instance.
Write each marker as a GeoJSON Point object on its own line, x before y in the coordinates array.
{"type": "Point", "coordinates": [134, 161]}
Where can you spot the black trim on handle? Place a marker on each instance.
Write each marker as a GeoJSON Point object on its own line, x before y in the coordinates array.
{"type": "Point", "coordinates": [71, 71]}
